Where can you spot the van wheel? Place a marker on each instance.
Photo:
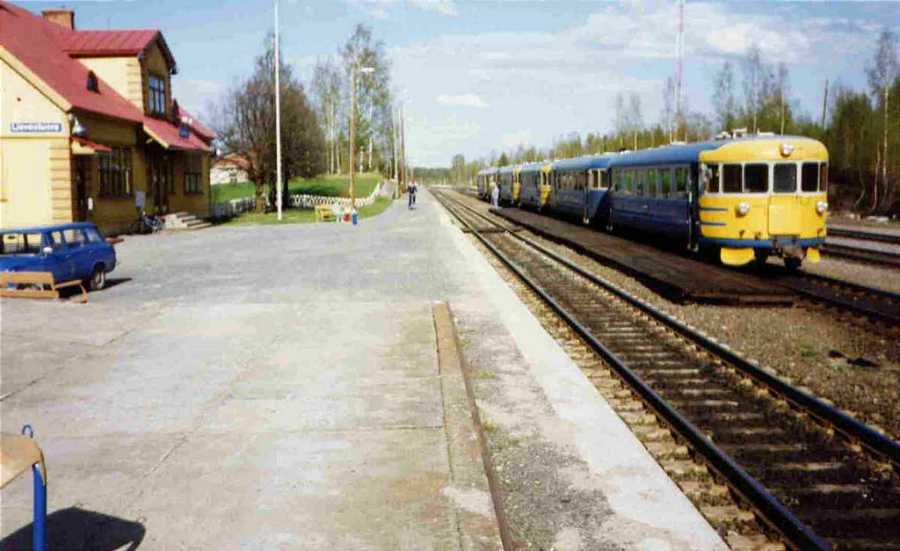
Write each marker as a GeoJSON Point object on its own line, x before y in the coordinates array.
{"type": "Point", "coordinates": [98, 279]}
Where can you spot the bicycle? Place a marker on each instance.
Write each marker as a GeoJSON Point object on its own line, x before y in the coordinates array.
{"type": "Point", "coordinates": [147, 224]}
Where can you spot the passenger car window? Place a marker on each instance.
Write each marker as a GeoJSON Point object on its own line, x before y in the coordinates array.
{"type": "Point", "coordinates": [651, 183]}
{"type": "Point", "coordinates": [731, 178]}
{"type": "Point", "coordinates": [665, 181]}
{"type": "Point", "coordinates": [603, 179]}
{"type": "Point", "coordinates": [681, 181]}
{"type": "Point", "coordinates": [785, 178]}
{"type": "Point", "coordinates": [823, 177]}
{"type": "Point", "coordinates": [809, 177]}
{"type": "Point", "coordinates": [56, 239]}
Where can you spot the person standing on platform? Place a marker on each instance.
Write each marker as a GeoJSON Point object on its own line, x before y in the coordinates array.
{"type": "Point", "coordinates": [495, 196]}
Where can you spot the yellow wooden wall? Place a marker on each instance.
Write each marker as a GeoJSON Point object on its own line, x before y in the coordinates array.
{"type": "Point", "coordinates": [122, 73]}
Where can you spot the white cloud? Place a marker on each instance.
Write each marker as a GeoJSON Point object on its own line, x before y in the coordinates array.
{"type": "Point", "coordinates": [514, 140]}
{"type": "Point", "coordinates": [376, 9]}
{"type": "Point", "coordinates": [443, 7]}
{"type": "Point", "coordinates": [464, 100]}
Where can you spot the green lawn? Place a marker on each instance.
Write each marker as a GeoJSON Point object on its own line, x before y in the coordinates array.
{"type": "Point", "coordinates": [303, 216]}
{"type": "Point", "coordinates": [331, 185]}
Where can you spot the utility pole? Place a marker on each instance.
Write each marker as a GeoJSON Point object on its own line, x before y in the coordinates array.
{"type": "Point", "coordinates": [402, 151]}
{"type": "Point", "coordinates": [277, 117]}
{"type": "Point", "coordinates": [678, 67]}
{"type": "Point", "coordinates": [364, 70]}
{"type": "Point", "coordinates": [824, 105]}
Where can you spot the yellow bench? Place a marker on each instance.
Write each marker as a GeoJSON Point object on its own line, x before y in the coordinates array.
{"type": "Point", "coordinates": [36, 278]}
{"type": "Point", "coordinates": [324, 213]}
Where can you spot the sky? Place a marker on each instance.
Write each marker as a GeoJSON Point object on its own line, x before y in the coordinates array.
{"type": "Point", "coordinates": [478, 77]}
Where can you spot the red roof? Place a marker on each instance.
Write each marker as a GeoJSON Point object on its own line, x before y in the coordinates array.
{"type": "Point", "coordinates": [167, 134]}
{"type": "Point", "coordinates": [92, 145]}
{"type": "Point", "coordinates": [130, 42]}
{"type": "Point", "coordinates": [34, 42]}
{"type": "Point", "coordinates": [196, 126]}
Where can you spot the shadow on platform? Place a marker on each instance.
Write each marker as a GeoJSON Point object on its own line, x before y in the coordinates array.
{"type": "Point", "coordinates": [79, 530]}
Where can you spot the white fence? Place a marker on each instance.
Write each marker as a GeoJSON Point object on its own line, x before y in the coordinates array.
{"type": "Point", "coordinates": [234, 207]}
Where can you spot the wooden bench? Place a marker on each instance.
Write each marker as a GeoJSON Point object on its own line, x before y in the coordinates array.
{"type": "Point", "coordinates": [324, 213]}
{"type": "Point", "coordinates": [36, 278]}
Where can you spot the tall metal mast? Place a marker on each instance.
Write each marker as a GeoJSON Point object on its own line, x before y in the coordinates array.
{"type": "Point", "coordinates": [680, 48]}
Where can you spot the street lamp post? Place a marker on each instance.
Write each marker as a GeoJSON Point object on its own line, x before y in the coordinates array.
{"type": "Point", "coordinates": [364, 70]}
{"type": "Point", "coordinates": [277, 118]}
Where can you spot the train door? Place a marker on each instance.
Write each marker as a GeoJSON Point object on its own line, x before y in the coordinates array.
{"type": "Point", "coordinates": [691, 213]}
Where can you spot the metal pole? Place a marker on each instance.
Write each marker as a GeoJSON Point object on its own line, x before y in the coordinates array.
{"type": "Point", "coordinates": [277, 117]}
{"type": "Point", "coordinates": [353, 140]}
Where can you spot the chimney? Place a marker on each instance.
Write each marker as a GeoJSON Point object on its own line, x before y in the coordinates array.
{"type": "Point", "coordinates": [64, 17]}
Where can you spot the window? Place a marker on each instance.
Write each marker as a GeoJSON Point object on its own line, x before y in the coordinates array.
{"type": "Point", "coordinates": [629, 182]}
{"type": "Point", "coordinates": [56, 240]}
{"type": "Point", "coordinates": [92, 235]}
{"type": "Point", "coordinates": [823, 177]}
{"type": "Point", "coordinates": [651, 183]}
{"type": "Point", "coordinates": [159, 175]}
{"type": "Point", "coordinates": [115, 172]}
{"type": "Point", "coordinates": [732, 178]}
{"type": "Point", "coordinates": [74, 237]}
{"type": "Point", "coordinates": [92, 82]}
{"type": "Point", "coordinates": [681, 176]}
{"type": "Point", "coordinates": [712, 178]}
{"type": "Point", "coordinates": [157, 89]}
{"type": "Point", "coordinates": [193, 177]}
{"type": "Point", "coordinates": [603, 179]}
{"type": "Point", "coordinates": [756, 178]}
{"type": "Point", "coordinates": [785, 178]}
{"type": "Point", "coordinates": [809, 177]}
{"type": "Point", "coordinates": [20, 243]}
{"type": "Point", "coordinates": [665, 181]}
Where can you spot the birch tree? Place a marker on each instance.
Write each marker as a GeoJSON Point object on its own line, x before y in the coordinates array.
{"type": "Point", "coordinates": [881, 74]}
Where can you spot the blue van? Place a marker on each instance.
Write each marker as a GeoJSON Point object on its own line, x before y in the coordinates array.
{"type": "Point", "coordinates": [69, 251]}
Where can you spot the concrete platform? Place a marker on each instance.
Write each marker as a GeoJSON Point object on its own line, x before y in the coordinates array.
{"type": "Point", "coordinates": [260, 387]}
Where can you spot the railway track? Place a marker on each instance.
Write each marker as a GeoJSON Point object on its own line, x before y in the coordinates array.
{"type": "Point", "coordinates": [862, 254]}
{"type": "Point", "coordinates": [816, 476]}
{"type": "Point", "coordinates": [865, 235]}
{"type": "Point", "coordinates": [871, 302]}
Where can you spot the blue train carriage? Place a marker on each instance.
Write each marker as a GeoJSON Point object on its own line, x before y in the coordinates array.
{"type": "Point", "coordinates": [534, 190]}
{"type": "Point", "coordinates": [743, 198]}
{"type": "Point", "coordinates": [580, 188]}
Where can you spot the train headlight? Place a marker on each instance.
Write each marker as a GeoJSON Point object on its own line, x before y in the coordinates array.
{"type": "Point", "coordinates": [822, 207]}
{"type": "Point", "coordinates": [742, 208]}
{"type": "Point", "coordinates": [787, 149]}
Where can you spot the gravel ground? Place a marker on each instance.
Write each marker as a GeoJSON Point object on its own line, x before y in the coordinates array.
{"type": "Point", "coordinates": [881, 277]}
{"type": "Point", "coordinates": [816, 349]}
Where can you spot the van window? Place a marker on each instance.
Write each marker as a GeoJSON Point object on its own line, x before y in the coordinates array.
{"type": "Point", "coordinates": [74, 237]}
{"type": "Point", "coordinates": [823, 177]}
{"type": "Point", "coordinates": [731, 178]}
{"type": "Point", "coordinates": [681, 181]}
{"type": "Point", "coordinates": [756, 178]}
{"type": "Point", "coordinates": [809, 177]}
{"type": "Point", "coordinates": [20, 243]}
{"type": "Point", "coordinates": [785, 178]}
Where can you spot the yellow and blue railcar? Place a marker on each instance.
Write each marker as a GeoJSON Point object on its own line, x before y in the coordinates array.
{"type": "Point", "coordinates": [745, 198]}
{"type": "Point", "coordinates": [534, 189]}
{"type": "Point", "coordinates": [508, 180]}
{"type": "Point", "coordinates": [485, 181]}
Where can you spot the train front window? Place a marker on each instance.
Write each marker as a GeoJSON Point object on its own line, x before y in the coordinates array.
{"type": "Point", "coordinates": [756, 178]}
{"type": "Point", "coordinates": [731, 178]}
{"type": "Point", "coordinates": [823, 177]}
{"type": "Point", "coordinates": [712, 178]}
{"type": "Point", "coordinates": [809, 177]}
{"type": "Point", "coordinates": [785, 178]}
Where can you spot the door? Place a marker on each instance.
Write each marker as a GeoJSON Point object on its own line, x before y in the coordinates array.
{"type": "Point", "coordinates": [159, 180]}
{"type": "Point", "coordinates": [80, 175]}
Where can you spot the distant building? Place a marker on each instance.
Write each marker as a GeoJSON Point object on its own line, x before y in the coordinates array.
{"type": "Point", "coordinates": [230, 169]}
{"type": "Point", "coordinates": [89, 128]}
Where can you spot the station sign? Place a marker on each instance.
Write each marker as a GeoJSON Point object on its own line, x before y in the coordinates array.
{"type": "Point", "coordinates": [35, 127]}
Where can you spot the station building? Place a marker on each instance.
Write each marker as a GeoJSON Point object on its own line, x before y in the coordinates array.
{"type": "Point", "coordinates": [89, 130]}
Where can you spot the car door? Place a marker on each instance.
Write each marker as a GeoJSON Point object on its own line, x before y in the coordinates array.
{"type": "Point", "coordinates": [79, 252]}
{"type": "Point", "coordinates": [53, 257]}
